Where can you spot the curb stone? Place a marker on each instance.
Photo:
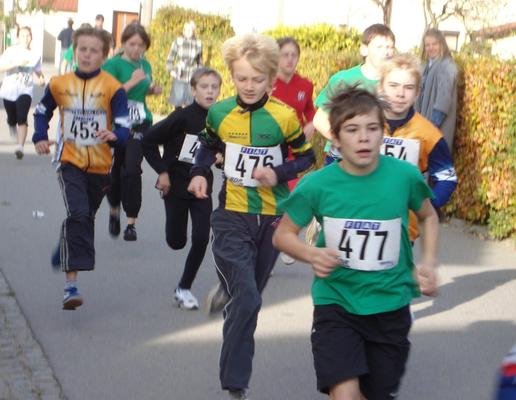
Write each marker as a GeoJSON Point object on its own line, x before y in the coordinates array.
{"type": "Point", "coordinates": [25, 373]}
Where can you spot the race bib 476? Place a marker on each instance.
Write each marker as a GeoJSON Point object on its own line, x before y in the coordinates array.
{"type": "Point", "coordinates": [240, 162]}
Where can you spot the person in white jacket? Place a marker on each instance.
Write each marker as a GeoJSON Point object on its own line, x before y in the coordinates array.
{"type": "Point", "coordinates": [20, 63]}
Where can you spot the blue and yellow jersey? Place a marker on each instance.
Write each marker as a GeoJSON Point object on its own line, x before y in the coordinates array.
{"type": "Point", "coordinates": [434, 156]}
{"type": "Point", "coordinates": [87, 103]}
{"type": "Point", "coordinates": [256, 132]}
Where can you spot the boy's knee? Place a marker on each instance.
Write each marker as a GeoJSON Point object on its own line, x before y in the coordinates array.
{"type": "Point", "coordinates": [176, 243]}
{"type": "Point", "coordinates": [247, 299]}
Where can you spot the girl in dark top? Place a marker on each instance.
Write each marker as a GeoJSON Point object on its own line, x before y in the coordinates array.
{"type": "Point", "coordinates": [178, 133]}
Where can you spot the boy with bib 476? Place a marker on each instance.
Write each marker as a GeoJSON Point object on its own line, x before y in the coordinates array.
{"type": "Point", "coordinates": [363, 264]}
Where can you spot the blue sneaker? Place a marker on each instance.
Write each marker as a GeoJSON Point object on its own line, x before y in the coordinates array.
{"type": "Point", "coordinates": [55, 260]}
{"type": "Point", "coordinates": [72, 298]}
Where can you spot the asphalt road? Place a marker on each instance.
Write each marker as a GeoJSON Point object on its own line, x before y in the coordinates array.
{"type": "Point", "coordinates": [128, 341]}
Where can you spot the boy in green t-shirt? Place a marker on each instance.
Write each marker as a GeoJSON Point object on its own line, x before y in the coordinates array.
{"type": "Point", "coordinates": [377, 46]}
{"type": "Point", "coordinates": [363, 263]}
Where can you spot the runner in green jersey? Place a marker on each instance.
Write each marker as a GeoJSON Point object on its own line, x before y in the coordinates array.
{"type": "Point", "coordinates": [363, 264]}
{"type": "Point", "coordinates": [134, 72]}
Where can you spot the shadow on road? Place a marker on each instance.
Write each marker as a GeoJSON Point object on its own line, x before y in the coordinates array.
{"type": "Point", "coordinates": [465, 288]}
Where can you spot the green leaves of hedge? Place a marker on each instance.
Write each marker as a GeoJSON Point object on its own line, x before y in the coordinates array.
{"type": "Point", "coordinates": [485, 145]}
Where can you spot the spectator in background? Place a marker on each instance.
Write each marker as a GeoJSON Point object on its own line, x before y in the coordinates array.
{"type": "Point", "coordinates": [99, 24]}
{"type": "Point", "coordinates": [65, 37]}
{"type": "Point", "coordinates": [20, 63]}
{"type": "Point", "coordinates": [297, 92]}
{"type": "Point", "coordinates": [184, 58]}
{"type": "Point", "coordinates": [438, 96]}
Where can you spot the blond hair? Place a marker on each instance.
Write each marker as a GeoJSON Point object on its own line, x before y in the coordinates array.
{"type": "Point", "coordinates": [404, 61]}
{"type": "Point", "coordinates": [262, 52]}
{"type": "Point", "coordinates": [437, 35]}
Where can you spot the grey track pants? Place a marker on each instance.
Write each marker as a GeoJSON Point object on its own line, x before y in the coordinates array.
{"type": "Point", "coordinates": [244, 255]}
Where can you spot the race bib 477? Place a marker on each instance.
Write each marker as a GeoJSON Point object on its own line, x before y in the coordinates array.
{"type": "Point", "coordinates": [366, 245]}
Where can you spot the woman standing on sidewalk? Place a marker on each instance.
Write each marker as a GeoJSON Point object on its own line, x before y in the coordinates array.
{"type": "Point", "coordinates": [19, 62]}
{"type": "Point", "coordinates": [134, 72]}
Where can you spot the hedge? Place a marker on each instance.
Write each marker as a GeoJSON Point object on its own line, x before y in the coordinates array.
{"type": "Point", "coordinates": [166, 26]}
{"type": "Point", "coordinates": [485, 145]}
{"type": "Point", "coordinates": [485, 142]}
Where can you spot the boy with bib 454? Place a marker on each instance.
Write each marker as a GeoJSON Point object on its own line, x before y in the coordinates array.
{"type": "Point", "coordinates": [363, 264]}
{"type": "Point", "coordinates": [94, 117]}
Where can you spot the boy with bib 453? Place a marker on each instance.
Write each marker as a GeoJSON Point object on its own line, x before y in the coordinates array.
{"type": "Point", "coordinates": [363, 264]}
{"type": "Point", "coordinates": [94, 117]}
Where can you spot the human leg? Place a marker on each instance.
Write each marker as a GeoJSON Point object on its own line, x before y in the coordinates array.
{"type": "Point", "coordinates": [234, 251]}
{"type": "Point", "coordinates": [82, 194]}
{"type": "Point", "coordinates": [387, 350]}
{"type": "Point", "coordinates": [114, 194]}
{"type": "Point", "coordinates": [132, 184]}
{"type": "Point", "coordinates": [200, 211]}
{"type": "Point", "coordinates": [339, 352]}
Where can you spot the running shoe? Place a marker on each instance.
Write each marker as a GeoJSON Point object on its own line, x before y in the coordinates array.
{"type": "Point", "coordinates": [130, 233]}
{"type": "Point", "coordinates": [216, 300]}
{"type": "Point", "coordinates": [72, 298]}
{"type": "Point", "coordinates": [185, 299]}
{"type": "Point", "coordinates": [242, 394]}
{"type": "Point", "coordinates": [287, 260]}
{"type": "Point", "coordinates": [114, 224]}
{"type": "Point", "coordinates": [19, 154]}
{"type": "Point", "coordinates": [312, 232]}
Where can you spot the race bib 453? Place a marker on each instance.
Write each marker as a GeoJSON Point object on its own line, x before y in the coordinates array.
{"type": "Point", "coordinates": [81, 126]}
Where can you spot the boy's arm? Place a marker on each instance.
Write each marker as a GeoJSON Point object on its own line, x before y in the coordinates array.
{"type": "Point", "coordinates": [442, 174]}
{"type": "Point", "coordinates": [304, 157]}
{"type": "Point", "coordinates": [322, 123]}
{"type": "Point", "coordinates": [210, 145]}
{"type": "Point", "coordinates": [160, 133]}
{"type": "Point", "coordinates": [286, 239]}
{"type": "Point", "coordinates": [427, 267]}
{"type": "Point", "coordinates": [120, 117]}
{"type": "Point", "coordinates": [42, 115]}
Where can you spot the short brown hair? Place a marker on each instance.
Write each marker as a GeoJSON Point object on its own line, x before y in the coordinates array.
{"type": "Point", "coordinates": [135, 28]}
{"type": "Point", "coordinates": [203, 71]}
{"type": "Point", "coordinates": [377, 30]}
{"type": "Point", "coordinates": [350, 102]}
{"type": "Point", "coordinates": [88, 30]}
{"type": "Point", "coordinates": [282, 41]}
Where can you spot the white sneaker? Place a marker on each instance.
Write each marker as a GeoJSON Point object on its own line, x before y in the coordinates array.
{"type": "Point", "coordinates": [185, 299]}
{"type": "Point", "coordinates": [287, 260]}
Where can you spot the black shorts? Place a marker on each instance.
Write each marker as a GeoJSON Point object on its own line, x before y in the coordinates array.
{"type": "Point", "coordinates": [18, 110]}
{"type": "Point", "coordinates": [373, 348]}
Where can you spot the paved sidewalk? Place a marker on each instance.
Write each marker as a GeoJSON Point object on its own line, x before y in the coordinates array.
{"type": "Point", "coordinates": [24, 370]}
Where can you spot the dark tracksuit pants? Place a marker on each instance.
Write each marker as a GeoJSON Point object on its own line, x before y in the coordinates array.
{"type": "Point", "coordinates": [176, 210]}
{"type": "Point", "coordinates": [244, 256]}
{"type": "Point", "coordinates": [126, 174]}
{"type": "Point", "coordinates": [82, 193]}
